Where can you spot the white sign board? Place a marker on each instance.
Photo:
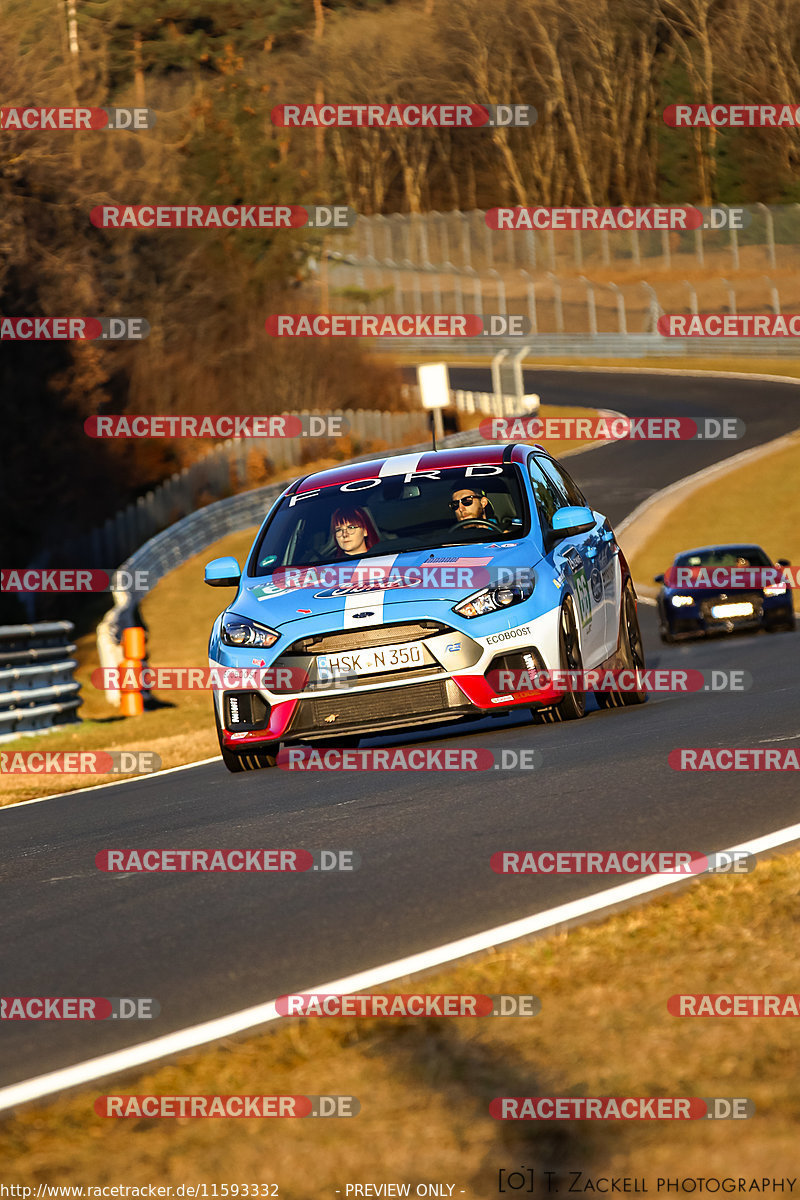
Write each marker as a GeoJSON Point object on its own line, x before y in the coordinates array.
{"type": "Point", "coordinates": [434, 385]}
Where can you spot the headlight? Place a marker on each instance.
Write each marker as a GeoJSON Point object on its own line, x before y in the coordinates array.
{"type": "Point", "coordinates": [777, 589]}
{"type": "Point", "coordinates": [682, 601]}
{"type": "Point", "coordinates": [241, 631]}
{"type": "Point", "coordinates": [492, 599]}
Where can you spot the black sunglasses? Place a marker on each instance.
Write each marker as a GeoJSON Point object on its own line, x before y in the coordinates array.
{"type": "Point", "coordinates": [465, 500]}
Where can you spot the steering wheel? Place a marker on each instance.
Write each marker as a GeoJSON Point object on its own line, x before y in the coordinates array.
{"type": "Point", "coordinates": [477, 522]}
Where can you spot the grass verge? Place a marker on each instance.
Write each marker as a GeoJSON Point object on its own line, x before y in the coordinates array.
{"type": "Point", "coordinates": [425, 1085]}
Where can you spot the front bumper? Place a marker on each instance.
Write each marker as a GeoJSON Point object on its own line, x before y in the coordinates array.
{"type": "Point", "coordinates": [697, 619]}
{"type": "Point", "coordinates": [481, 680]}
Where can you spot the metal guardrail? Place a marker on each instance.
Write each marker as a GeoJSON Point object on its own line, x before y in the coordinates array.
{"type": "Point", "coordinates": [601, 345]}
{"type": "Point", "coordinates": [37, 690]}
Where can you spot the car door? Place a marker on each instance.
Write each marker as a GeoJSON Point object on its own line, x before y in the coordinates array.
{"type": "Point", "coordinates": [574, 558]}
{"type": "Point", "coordinates": [600, 557]}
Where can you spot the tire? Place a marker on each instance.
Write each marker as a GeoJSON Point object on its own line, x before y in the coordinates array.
{"type": "Point", "coordinates": [573, 706]}
{"type": "Point", "coordinates": [632, 651]}
{"type": "Point", "coordinates": [255, 760]}
{"type": "Point", "coordinates": [663, 630]}
{"type": "Point", "coordinates": [782, 626]}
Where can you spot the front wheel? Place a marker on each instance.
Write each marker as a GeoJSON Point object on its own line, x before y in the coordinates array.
{"type": "Point", "coordinates": [631, 650]}
{"type": "Point", "coordinates": [253, 760]}
{"type": "Point", "coordinates": [573, 706]}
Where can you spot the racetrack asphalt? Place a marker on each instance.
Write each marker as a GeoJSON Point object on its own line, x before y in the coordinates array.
{"type": "Point", "coordinates": [206, 944]}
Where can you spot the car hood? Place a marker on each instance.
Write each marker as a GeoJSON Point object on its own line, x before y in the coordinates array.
{"type": "Point", "coordinates": [445, 575]}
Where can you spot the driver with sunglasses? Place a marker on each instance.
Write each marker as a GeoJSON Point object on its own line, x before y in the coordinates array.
{"type": "Point", "coordinates": [467, 503]}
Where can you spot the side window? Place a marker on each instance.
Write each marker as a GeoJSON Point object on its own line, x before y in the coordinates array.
{"type": "Point", "coordinates": [564, 484]}
{"type": "Point", "coordinates": [547, 498]}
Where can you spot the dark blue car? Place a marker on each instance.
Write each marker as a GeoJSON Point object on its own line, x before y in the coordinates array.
{"type": "Point", "coordinates": [719, 589]}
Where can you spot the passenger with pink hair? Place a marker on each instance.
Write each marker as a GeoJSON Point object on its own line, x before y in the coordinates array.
{"type": "Point", "coordinates": [353, 531]}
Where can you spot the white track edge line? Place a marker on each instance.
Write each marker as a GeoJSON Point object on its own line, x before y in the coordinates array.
{"type": "Point", "coordinates": [261, 1014]}
{"type": "Point", "coordinates": [94, 787]}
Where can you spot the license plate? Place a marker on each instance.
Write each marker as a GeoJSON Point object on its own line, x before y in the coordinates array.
{"type": "Point", "coordinates": [732, 610]}
{"type": "Point", "coordinates": [370, 662]}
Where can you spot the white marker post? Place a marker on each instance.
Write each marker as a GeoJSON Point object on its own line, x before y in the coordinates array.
{"type": "Point", "coordinates": [434, 390]}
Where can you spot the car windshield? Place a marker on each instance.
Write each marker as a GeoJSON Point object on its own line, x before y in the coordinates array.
{"type": "Point", "coordinates": [725, 556]}
{"type": "Point", "coordinates": [391, 514]}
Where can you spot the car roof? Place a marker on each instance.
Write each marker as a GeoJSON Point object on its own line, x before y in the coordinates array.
{"type": "Point", "coordinates": [425, 460]}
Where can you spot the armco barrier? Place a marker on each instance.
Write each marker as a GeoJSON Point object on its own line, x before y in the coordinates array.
{"type": "Point", "coordinates": [37, 690]}
{"type": "Point", "coordinates": [223, 469]}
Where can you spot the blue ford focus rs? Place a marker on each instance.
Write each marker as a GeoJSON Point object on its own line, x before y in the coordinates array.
{"type": "Point", "coordinates": [408, 591]}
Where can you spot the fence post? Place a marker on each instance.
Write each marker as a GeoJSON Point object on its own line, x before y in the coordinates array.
{"type": "Point", "coordinates": [731, 295]}
{"type": "Point", "coordinates": [577, 242]}
{"type": "Point", "coordinates": [458, 296]}
{"type": "Point", "coordinates": [530, 241]}
{"type": "Point", "coordinates": [500, 290]}
{"type": "Point", "coordinates": [775, 299]}
{"type": "Point", "coordinates": [692, 296]}
{"type": "Point", "coordinates": [559, 307]}
{"type": "Point", "coordinates": [531, 290]}
{"type": "Point", "coordinates": [466, 243]}
{"type": "Point", "coordinates": [444, 243]}
{"type": "Point", "coordinates": [605, 248]}
{"type": "Point", "coordinates": [591, 305]}
{"type": "Point", "coordinates": [621, 317]}
{"type": "Point", "coordinates": [655, 307]}
{"type": "Point", "coordinates": [477, 290]}
{"type": "Point", "coordinates": [770, 224]}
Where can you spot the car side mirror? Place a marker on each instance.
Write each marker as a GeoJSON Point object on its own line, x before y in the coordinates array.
{"type": "Point", "coordinates": [658, 579]}
{"type": "Point", "coordinates": [569, 521]}
{"type": "Point", "coordinates": [223, 572]}
{"type": "Point", "coordinates": [784, 562]}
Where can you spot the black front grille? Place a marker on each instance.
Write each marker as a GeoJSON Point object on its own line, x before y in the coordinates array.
{"type": "Point", "coordinates": [378, 706]}
{"type": "Point", "coordinates": [365, 639]}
